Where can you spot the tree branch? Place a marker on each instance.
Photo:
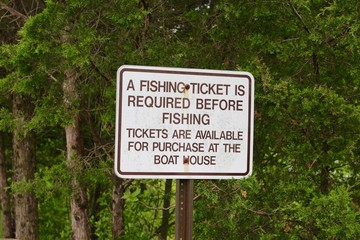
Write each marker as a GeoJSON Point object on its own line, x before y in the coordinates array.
{"type": "Point", "coordinates": [12, 11]}
{"type": "Point", "coordinates": [314, 55]}
{"type": "Point", "coordinates": [297, 14]}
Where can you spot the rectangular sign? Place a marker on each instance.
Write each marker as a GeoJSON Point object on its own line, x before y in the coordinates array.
{"type": "Point", "coordinates": [183, 123]}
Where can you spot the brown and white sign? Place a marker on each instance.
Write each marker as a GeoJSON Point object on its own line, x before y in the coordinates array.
{"type": "Point", "coordinates": [183, 123]}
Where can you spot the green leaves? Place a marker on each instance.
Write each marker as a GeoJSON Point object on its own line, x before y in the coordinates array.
{"type": "Point", "coordinates": [7, 120]}
{"type": "Point", "coordinates": [305, 58]}
{"type": "Point", "coordinates": [144, 206]}
{"type": "Point", "coordinates": [326, 215]}
{"type": "Point", "coordinates": [132, 196]}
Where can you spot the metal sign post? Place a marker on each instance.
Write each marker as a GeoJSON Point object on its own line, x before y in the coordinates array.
{"type": "Point", "coordinates": [185, 124]}
{"type": "Point", "coordinates": [184, 209]}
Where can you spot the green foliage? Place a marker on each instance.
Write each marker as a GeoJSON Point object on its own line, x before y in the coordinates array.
{"type": "Point", "coordinates": [143, 209]}
{"type": "Point", "coordinates": [227, 204]}
{"type": "Point", "coordinates": [242, 209]}
{"type": "Point", "coordinates": [304, 56]}
{"type": "Point", "coordinates": [54, 219]}
{"type": "Point", "coordinates": [102, 224]}
{"type": "Point", "coordinates": [6, 120]}
{"type": "Point", "coordinates": [329, 216]}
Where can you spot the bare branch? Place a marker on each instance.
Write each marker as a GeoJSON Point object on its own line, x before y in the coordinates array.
{"type": "Point", "coordinates": [51, 76]}
{"type": "Point", "coordinates": [12, 11]}
{"type": "Point", "coordinates": [297, 14]}
{"type": "Point", "coordinates": [157, 208]}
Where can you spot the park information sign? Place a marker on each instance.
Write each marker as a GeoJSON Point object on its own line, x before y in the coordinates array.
{"type": "Point", "coordinates": [183, 123]}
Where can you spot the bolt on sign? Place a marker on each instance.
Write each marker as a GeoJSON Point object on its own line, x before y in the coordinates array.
{"type": "Point", "coordinates": [183, 123]}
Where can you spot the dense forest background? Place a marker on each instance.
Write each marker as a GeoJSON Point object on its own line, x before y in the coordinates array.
{"type": "Point", "coordinates": [58, 62]}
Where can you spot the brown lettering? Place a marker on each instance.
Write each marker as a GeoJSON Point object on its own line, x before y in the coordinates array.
{"type": "Point", "coordinates": [138, 146]}
{"type": "Point", "coordinates": [219, 104]}
{"type": "Point", "coordinates": [164, 159]}
{"type": "Point", "coordinates": [199, 160]}
{"type": "Point", "coordinates": [236, 148]}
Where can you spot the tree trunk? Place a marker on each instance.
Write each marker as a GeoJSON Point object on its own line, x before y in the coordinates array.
{"type": "Point", "coordinates": [7, 224]}
{"type": "Point", "coordinates": [26, 213]}
{"type": "Point", "coordinates": [74, 147]}
{"type": "Point", "coordinates": [166, 211]}
{"type": "Point", "coordinates": [118, 204]}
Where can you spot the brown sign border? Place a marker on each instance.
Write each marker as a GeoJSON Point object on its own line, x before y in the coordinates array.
{"type": "Point", "coordinates": [183, 72]}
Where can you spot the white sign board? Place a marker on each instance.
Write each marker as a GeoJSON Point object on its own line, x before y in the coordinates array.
{"type": "Point", "coordinates": [183, 123]}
